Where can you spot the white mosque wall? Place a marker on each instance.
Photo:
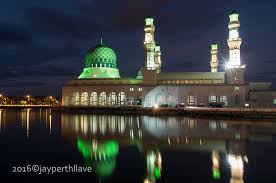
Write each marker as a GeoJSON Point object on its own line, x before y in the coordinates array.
{"type": "Point", "coordinates": [228, 95]}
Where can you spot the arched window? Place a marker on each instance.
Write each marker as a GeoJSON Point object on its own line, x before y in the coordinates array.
{"type": "Point", "coordinates": [93, 98]}
{"type": "Point", "coordinates": [148, 101]}
{"type": "Point", "coordinates": [170, 99]}
{"type": "Point", "coordinates": [76, 98]}
{"type": "Point", "coordinates": [112, 98]}
{"type": "Point", "coordinates": [122, 98]}
{"type": "Point", "coordinates": [159, 99]}
{"type": "Point", "coordinates": [66, 100]}
{"type": "Point", "coordinates": [191, 100]}
{"type": "Point", "coordinates": [102, 98]}
{"type": "Point", "coordinates": [84, 98]}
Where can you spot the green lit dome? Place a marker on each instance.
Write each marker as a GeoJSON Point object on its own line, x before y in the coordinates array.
{"type": "Point", "coordinates": [100, 56]}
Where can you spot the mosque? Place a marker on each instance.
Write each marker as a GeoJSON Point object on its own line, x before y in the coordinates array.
{"type": "Point", "coordinates": [100, 83]}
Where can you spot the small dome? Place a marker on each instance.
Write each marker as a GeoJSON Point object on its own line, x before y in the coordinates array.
{"type": "Point", "coordinates": [100, 56]}
{"type": "Point", "coordinates": [139, 75]}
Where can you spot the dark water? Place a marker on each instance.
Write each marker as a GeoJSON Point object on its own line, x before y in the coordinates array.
{"type": "Point", "coordinates": [138, 149]}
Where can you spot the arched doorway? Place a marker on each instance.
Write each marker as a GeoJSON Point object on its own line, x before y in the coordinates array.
{"type": "Point", "coordinates": [102, 98]}
{"type": "Point", "coordinates": [159, 99]}
{"type": "Point", "coordinates": [122, 98]}
{"type": "Point", "coordinates": [112, 98]}
{"type": "Point", "coordinates": [66, 100]}
{"type": "Point", "coordinates": [84, 98]}
{"type": "Point", "coordinates": [170, 100]}
{"type": "Point", "coordinates": [76, 98]}
{"type": "Point", "coordinates": [93, 98]}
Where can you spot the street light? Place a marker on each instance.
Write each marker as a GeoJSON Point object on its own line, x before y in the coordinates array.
{"type": "Point", "coordinates": [28, 97]}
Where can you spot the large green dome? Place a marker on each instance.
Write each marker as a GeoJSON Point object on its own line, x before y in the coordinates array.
{"type": "Point", "coordinates": [100, 56]}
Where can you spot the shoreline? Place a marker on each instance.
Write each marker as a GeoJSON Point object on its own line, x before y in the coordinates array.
{"type": "Point", "coordinates": [253, 114]}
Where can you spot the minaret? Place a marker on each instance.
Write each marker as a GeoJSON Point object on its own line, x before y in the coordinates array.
{"type": "Point", "coordinates": [149, 44]}
{"type": "Point", "coordinates": [214, 58]}
{"type": "Point", "coordinates": [234, 41]}
{"type": "Point", "coordinates": [157, 58]}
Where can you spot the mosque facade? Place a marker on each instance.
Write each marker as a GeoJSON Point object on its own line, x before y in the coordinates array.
{"type": "Point", "coordinates": [100, 83]}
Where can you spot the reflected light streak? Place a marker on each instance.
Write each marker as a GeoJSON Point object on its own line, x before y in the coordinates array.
{"type": "Point", "coordinates": [28, 122]}
{"type": "Point", "coordinates": [50, 119]}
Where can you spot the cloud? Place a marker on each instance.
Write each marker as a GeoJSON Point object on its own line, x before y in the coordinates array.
{"type": "Point", "coordinates": [14, 34]}
{"type": "Point", "coordinates": [57, 22]}
{"type": "Point", "coordinates": [36, 86]}
{"type": "Point", "coordinates": [131, 14]}
{"type": "Point", "coordinates": [49, 38]}
{"type": "Point", "coordinates": [54, 68]}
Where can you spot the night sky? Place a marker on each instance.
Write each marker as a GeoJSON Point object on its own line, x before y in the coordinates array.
{"type": "Point", "coordinates": [42, 43]}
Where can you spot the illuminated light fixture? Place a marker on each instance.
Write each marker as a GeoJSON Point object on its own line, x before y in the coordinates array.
{"type": "Point", "coordinates": [228, 65]}
{"type": "Point", "coordinates": [156, 106]}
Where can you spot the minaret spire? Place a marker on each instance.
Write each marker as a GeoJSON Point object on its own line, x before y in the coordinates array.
{"type": "Point", "coordinates": [214, 58]}
{"type": "Point", "coordinates": [101, 40]}
{"type": "Point", "coordinates": [152, 50]}
{"type": "Point", "coordinates": [149, 43]}
{"type": "Point", "coordinates": [234, 41]}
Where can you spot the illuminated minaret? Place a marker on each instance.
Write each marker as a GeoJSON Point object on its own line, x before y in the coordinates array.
{"type": "Point", "coordinates": [149, 44]}
{"type": "Point", "coordinates": [157, 58]}
{"type": "Point", "coordinates": [214, 58]}
{"type": "Point", "coordinates": [234, 41]}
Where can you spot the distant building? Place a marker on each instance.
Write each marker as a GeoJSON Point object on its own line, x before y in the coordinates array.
{"type": "Point", "coordinates": [100, 83]}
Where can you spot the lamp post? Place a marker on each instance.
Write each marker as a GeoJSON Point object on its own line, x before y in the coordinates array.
{"type": "Point", "coordinates": [51, 100]}
{"type": "Point", "coordinates": [28, 101]}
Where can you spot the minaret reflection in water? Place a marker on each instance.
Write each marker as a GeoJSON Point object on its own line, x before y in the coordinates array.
{"type": "Point", "coordinates": [215, 160]}
{"type": "Point", "coordinates": [153, 135]}
{"type": "Point", "coordinates": [154, 166]}
{"type": "Point", "coordinates": [237, 168]}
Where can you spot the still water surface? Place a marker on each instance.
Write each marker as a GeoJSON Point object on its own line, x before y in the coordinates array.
{"type": "Point", "coordinates": [139, 148]}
